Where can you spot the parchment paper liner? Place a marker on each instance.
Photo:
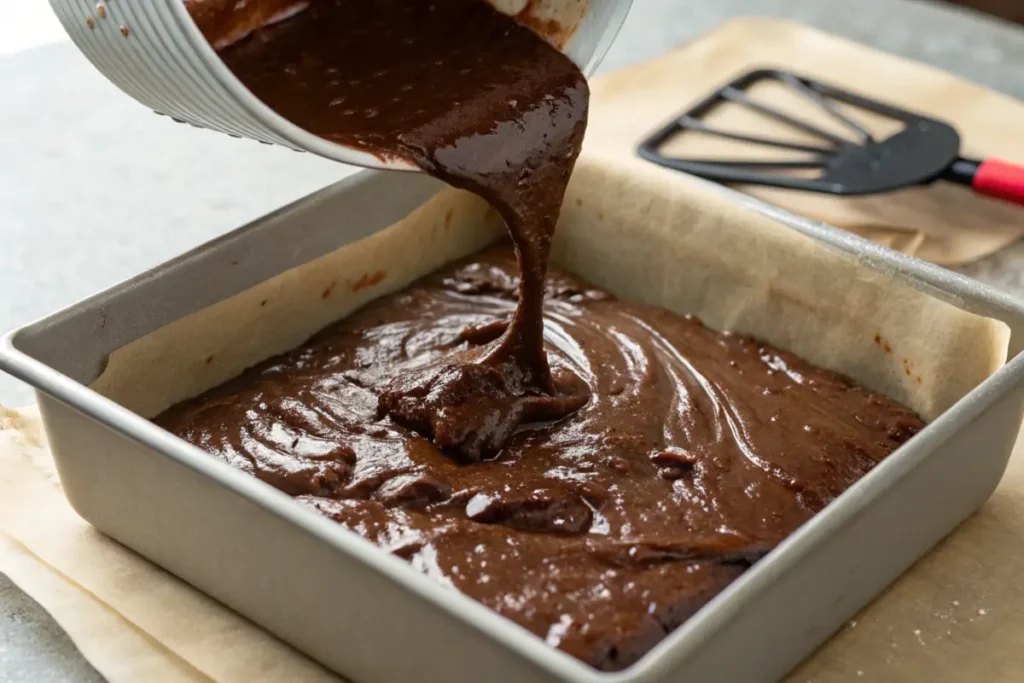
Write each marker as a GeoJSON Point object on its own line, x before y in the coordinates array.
{"type": "Point", "coordinates": [642, 235]}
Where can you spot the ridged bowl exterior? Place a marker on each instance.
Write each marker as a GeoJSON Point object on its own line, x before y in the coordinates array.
{"type": "Point", "coordinates": [155, 53]}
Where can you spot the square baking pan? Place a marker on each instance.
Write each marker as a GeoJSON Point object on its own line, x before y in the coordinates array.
{"type": "Point", "coordinates": [372, 617]}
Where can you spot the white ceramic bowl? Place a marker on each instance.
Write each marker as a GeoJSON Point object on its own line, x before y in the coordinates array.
{"type": "Point", "coordinates": [154, 51]}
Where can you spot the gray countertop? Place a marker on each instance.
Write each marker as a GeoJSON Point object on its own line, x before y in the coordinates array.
{"type": "Point", "coordinates": [94, 188]}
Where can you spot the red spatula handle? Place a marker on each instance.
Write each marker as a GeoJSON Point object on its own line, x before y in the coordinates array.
{"type": "Point", "coordinates": [1000, 179]}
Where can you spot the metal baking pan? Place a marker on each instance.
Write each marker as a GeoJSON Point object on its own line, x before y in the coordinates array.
{"type": "Point", "coordinates": [370, 616]}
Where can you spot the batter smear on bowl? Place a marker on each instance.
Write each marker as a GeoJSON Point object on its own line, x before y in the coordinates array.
{"type": "Point", "coordinates": [593, 469]}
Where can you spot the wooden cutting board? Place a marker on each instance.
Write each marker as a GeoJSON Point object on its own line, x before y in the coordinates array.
{"type": "Point", "coordinates": [943, 223]}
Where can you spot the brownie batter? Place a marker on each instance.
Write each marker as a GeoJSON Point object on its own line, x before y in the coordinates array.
{"type": "Point", "coordinates": [695, 453]}
{"type": "Point", "coordinates": [592, 469]}
{"type": "Point", "coordinates": [471, 97]}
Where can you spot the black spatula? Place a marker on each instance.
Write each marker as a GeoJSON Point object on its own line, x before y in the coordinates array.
{"type": "Point", "coordinates": [922, 151]}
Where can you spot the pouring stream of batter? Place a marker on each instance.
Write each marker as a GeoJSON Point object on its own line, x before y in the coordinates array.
{"type": "Point", "coordinates": [477, 100]}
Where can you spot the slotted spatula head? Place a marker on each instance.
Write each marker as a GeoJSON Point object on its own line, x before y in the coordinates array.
{"type": "Point", "coordinates": [854, 162]}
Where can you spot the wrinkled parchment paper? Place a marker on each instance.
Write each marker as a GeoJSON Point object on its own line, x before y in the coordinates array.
{"type": "Point", "coordinates": [954, 617]}
{"type": "Point", "coordinates": [944, 223]}
{"type": "Point", "coordinates": [641, 234]}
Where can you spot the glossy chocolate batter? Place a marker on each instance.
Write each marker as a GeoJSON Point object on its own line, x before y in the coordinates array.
{"type": "Point", "coordinates": [592, 469]}
{"type": "Point", "coordinates": [477, 100]}
{"type": "Point", "coordinates": [694, 454]}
